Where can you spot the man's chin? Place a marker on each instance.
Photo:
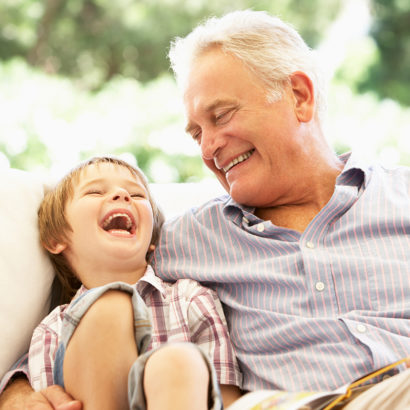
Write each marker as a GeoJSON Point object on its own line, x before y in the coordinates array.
{"type": "Point", "coordinates": [241, 194]}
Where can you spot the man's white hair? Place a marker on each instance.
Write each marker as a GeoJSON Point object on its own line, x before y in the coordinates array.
{"type": "Point", "coordinates": [270, 48]}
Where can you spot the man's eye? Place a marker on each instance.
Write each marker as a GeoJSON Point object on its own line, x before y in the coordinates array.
{"type": "Point", "coordinates": [224, 116]}
{"type": "Point", "coordinates": [197, 136]}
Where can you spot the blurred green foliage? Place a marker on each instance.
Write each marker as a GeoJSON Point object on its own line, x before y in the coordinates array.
{"type": "Point", "coordinates": [389, 73]}
{"type": "Point", "coordinates": [95, 40]}
{"type": "Point", "coordinates": [81, 77]}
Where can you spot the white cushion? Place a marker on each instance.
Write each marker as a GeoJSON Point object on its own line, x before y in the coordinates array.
{"type": "Point", "coordinates": [175, 198]}
{"type": "Point", "coordinates": [25, 271]}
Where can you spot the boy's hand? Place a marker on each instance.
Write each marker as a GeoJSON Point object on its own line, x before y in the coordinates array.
{"type": "Point", "coordinates": [19, 395]}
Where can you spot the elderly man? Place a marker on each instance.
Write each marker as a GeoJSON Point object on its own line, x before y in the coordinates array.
{"type": "Point", "coordinates": [309, 251]}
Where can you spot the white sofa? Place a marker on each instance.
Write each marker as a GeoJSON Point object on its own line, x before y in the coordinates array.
{"type": "Point", "coordinates": [25, 272]}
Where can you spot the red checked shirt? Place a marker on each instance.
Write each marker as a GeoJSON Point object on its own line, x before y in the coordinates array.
{"type": "Point", "coordinates": [184, 311]}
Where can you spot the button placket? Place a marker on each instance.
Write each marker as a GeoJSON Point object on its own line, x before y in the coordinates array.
{"type": "Point", "coordinates": [260, 227]}
{"type": "Point", "coordinates": [310, 245]}
{"type": "Point", "coordinates": [320, 286]}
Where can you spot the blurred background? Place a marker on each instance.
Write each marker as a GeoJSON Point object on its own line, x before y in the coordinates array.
{"type": "Point", "coordinates": [84, 77]}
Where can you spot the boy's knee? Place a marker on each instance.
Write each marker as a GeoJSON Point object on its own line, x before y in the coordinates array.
{"type": "Point", "coordinates": [112, 310]}
{"type": "Point", "coordinates": [180, 360]}
{"type": "Point", "coordinates": [112, 305]}
{"type": "Point", "coordinates": [178, 374]}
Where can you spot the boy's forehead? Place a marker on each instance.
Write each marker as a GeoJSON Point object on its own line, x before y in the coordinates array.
{"type": "Point", "coordinates": [104, 170]}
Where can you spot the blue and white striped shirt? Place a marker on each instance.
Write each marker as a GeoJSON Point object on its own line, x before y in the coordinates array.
{"type": "Point", "coordinates": [311, 310]}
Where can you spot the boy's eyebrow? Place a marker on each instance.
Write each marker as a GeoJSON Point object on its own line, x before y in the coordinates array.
{"type": "Point", "coordinates": [102, 180]}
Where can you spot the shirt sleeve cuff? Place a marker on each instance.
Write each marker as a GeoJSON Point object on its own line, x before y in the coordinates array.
{"type": "Point", "coordinates": [20, 369]}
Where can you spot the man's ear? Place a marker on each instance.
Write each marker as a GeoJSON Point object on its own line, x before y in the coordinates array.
{"type": "Point", "coordinates": [303, 92]}
{"type": "Point", "coordinates": [56, 247]}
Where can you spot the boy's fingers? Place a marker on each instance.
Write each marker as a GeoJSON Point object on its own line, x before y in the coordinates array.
{"type": "Point", "coordinates": [72, 405]}
{"type": "Point", "coordinates": [60, 400]}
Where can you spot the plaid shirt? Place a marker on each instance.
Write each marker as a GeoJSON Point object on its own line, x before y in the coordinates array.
{"type": "Point", "coordinates": [183, 311]}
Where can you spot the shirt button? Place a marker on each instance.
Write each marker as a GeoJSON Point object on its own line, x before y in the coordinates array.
{"type": "Point", "coordinates": [245, 220]}
{"type": "Point", "coordinates": [361, 328]}
{"type": "Point", "coordinates": [260, 227]}
{"type": "Point", "coordinates": [310, 245]}
{"type": "Point", "coordinates": [320, 286]}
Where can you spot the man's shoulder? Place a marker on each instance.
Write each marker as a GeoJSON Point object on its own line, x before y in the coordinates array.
{"type": "Point", "coordinates": [377, 172]}
{"type": "Point", "coordinates": [395, 176]}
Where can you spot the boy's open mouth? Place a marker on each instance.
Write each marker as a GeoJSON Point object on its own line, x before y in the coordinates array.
{"type": "Point", "coordinates": [119, 222]}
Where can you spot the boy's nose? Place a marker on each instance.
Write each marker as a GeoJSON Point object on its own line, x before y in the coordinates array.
{"type": "Point", "coordinates": [121, 195]}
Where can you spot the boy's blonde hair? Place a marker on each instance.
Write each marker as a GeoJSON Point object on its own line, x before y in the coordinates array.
{"type": "Point", "coordinates": [54, 227]}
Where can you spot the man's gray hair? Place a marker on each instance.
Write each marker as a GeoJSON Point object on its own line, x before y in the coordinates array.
{"type": "Point", "coordinates": [270, 48]}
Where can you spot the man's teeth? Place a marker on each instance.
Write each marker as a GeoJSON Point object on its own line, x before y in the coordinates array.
{"type": "Point", "coordinates": [237, 160]}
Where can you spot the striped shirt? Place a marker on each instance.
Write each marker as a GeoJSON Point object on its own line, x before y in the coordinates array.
{"type": "Point", "coordinates": [311, 310]}
{"type": "Point", "coordinates": [181, 312]}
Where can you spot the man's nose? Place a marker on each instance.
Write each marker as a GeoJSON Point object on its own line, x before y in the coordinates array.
{"type": "Point", "coordinates": [211, 143]}
{"type": "Point", "coordinates": [121, 194]}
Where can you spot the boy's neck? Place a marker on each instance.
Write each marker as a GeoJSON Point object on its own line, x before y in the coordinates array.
{"type": "Point", "coordinates": [103, 278]}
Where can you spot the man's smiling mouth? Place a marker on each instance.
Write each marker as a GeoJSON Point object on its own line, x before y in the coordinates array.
{"type": "Point", "coordinates": [238, 160]}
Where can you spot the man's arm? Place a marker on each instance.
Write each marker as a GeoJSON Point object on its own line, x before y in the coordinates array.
{"type": "Point", "coordinates": [19, 395]}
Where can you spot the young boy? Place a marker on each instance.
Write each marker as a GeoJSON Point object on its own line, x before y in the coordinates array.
{"type": "Point", "coordinates": [121, 342]}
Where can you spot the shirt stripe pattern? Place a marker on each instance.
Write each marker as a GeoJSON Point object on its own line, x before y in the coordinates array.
{"type": "Point", "coordinates": [311, 310]}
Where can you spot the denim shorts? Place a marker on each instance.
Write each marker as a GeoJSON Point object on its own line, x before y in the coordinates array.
{"type": "Point", "coordinates": [142, 326]}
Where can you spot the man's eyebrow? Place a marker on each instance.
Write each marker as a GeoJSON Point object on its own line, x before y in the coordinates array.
{"type": "Point", "coordinates": [218, 103]}
{"type": "Point", "coordinates": [190, 127]}
{"type": "Point", "coordinates": [210, 107]}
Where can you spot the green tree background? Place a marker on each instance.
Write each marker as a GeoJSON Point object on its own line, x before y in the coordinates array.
{"type": "Point", "coordinates": [80, 77]}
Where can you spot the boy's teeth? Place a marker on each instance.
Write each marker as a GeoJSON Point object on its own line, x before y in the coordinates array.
{"type": "Point", "coordinates": [121, 231]}
{"type": "Point", "coordinates": [237, 160]}
{"type": "Point", "coordinates": [123, 215]}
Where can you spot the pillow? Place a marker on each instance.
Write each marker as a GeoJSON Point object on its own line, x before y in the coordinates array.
{"type": "Point", "coordinates": [26, 274]}
{"type": "Point", "coordinates": [175, 198]}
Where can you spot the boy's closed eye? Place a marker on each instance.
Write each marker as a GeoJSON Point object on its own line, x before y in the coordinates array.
{"type": "Point", "coordinates": [138, 195]}
{"type": "Point", "coordinates": [94, 192]}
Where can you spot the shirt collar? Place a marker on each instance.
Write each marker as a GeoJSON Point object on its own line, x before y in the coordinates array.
{"type": "Point", "coordinates": [356, 170]}
{"type": "Point", "coordinates": [148, 282]}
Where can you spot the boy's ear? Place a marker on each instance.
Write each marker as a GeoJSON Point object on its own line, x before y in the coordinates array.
{"type": "Point", "coordinates": [56, 247]}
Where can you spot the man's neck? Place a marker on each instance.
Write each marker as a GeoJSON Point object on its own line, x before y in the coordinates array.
{"type": "Point", "coordinates": [297, 214]}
